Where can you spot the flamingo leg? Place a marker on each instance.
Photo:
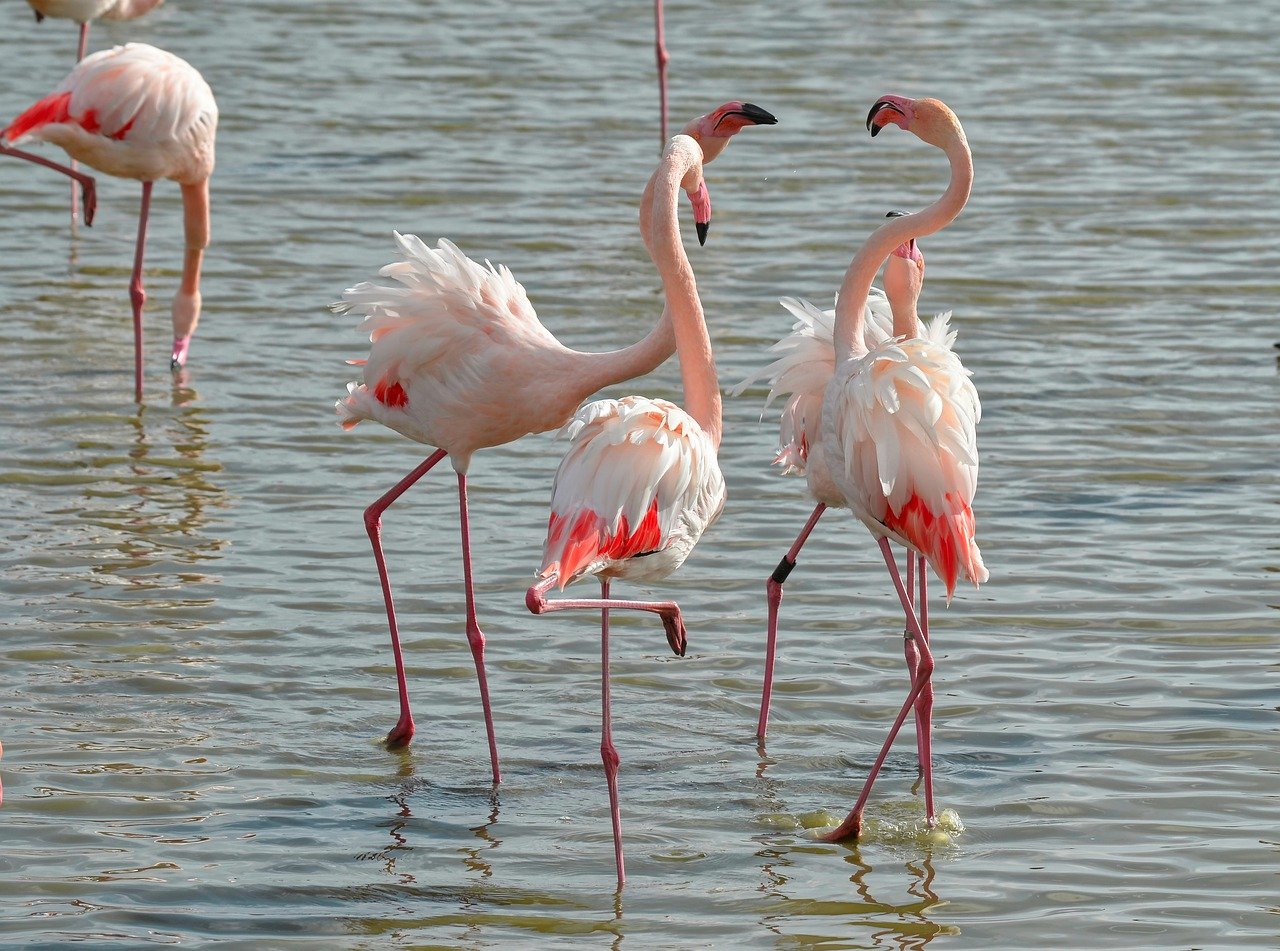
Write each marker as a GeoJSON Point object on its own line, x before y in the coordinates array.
{"type": "Point", "coordinates": [137, 294]}
{"type": "Point", "coordinates": [773, 592]}
{"type": "Point", "coordinates": [86, 181]}
{"type": "Point", "coordinates": [474, 636]}
{"type": "Point", "coordinates": [912, 654]}
{"type": "Point", "coordinates": [924, 705]}
{"type": "Point", "coordinates": [75, 192]}
{"type": "Point", "coordinates": [660, 49]}
{"type": "Point", "coordinates": [84, 41]}
{"type": "Point", "coordinates": [402, 732]}
{"type": "Point", "coordinates": [852, 823]}
{"type": "Point", "coordinates": [608, 752]}
{"type": "Point", "coordinates": [535, 599]}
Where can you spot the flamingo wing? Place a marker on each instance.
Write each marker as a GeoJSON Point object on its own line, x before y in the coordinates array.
{"type": "Point", "coordinates": [640, 478]}
{"type": "Point", "coordinates": [903, 423]}
{"type": "Point", "coordinates": [804, 365]}
{"type": "Point", "coordinates": [442, 316]}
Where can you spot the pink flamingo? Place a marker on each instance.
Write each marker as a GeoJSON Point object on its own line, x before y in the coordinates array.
{"type": "Point", "coordinates": [898, 425]}
{"type": "Point", "coordinates": [801, 373]}
{"type": "Point", "coordinates": [85, 11]}
{"type": "Point", "coordinates": [460, 361]}
{"type": "Point", "coordinates": [136, 112]}
{"type": "Point", "coordinates": [640, 481]}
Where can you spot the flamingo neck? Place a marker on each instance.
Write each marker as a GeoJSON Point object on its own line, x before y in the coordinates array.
{"type": "Point", "coordinates": [851, 305]}
{"type": "Point", "coordinates": [683, 159]}
{"type": "Point", "coordinates": [195, 226]}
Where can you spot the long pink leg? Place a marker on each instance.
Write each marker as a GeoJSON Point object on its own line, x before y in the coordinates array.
{"type": "Point", "coordinates": [852, 823]}
{"type": "Point", "coordinates": [536, 601]}
{"type": "Point", "coordinates": [924, 705]}
{"type": "Point", "coordinates": [86, 181]}
{"type": "Point", "coordinates": [912, 654]}
{"type": "Point", "coordinates": [75, 192]}
{"type": "Point", "coordinates": [402, 732]}
{"type": "Point", "coordinates": [474, 637]}
{"type": "Point", "coordinates": [137, 295]}
{"type": "Point", "coordinates": [773, 592]}
{"type": "Point", "coordinates": [608, 752]}
{"type": "Point", "coordinates": [660, 48]}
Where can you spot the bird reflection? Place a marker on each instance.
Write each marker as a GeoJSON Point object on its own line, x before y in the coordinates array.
{"type": "Point", "coordinates": [388, 854]}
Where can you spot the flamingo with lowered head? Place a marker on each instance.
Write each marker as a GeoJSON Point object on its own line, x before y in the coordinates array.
{"type": "Point", "coordinates": [460, 361]}
{"type": "Point", "coordinates": [136, 112]}
{"type": "Point", "coordinates": [640, 482]}
{"type": "Point", "coordinates": [898, 429]}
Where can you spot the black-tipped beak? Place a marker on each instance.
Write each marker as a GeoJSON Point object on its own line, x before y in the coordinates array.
{"type": "Point", "coordinates": [896, 214]}
{"type": "Point", "coordinates": [39, 16]}
{"type": "Point", "coordinates": [703, 227]}
{"type": "Point", "coordinates": [875, 110]}
{"type": "Point", "coordinates": [755, 114]}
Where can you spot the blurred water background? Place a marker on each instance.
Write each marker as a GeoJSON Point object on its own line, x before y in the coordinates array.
{"type": "Point", "coordinates": [194, 667]}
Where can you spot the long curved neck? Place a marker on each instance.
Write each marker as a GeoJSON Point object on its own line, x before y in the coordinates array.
{"type": "Point", "coordinates": [851, 305]}
{"type": "Point", "coordinates": [697, 364]}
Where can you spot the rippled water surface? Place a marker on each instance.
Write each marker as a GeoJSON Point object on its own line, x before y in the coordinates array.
{"type": "Point", "coordinates": [194, 668]}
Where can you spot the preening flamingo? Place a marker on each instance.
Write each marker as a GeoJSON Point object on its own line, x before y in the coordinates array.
{"type": "Point", "coordinates": [801, 373]}
{"type": "Point", "coordinates": [460, 361]}
{"type": "Point", "coordinates": [136, 112]}
{"type": "Point", "coordinates": [898, 429]}
{"type": "Point", "coordinates": [640, 481]}
{"type": "Point", "coordinates": [85, 11]}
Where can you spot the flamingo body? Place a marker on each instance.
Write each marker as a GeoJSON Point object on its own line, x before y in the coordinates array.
{"type": "Point", "coordinates": [638, 486]}
{"type": "Point", "coordinates": [899, 438]}
{"type": "Point", "coordinates": [134, 111]}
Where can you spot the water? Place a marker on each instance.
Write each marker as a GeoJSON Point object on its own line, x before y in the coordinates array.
{"type": "Point", "coordinates": [195, 668]}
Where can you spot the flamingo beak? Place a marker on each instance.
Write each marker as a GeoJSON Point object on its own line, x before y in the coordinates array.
{"type": "Point", "coordinates": [880, 105]}
{"type": "Point", "coordinates": [39, 16]}
{"type": "Point", "coordinates": [703, 227]}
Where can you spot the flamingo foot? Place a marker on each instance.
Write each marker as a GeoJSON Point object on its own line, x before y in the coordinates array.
{"type": "Point", "coordinates": [181, 347]}
{"type": "Point", "coordinates": [677, 637]}
{"type": "Point", "coordinates": [89, 199]}
{"type": "Point", "coordinates": [851, 828]}
{"type": "Point", "coordinates": [401, 734]}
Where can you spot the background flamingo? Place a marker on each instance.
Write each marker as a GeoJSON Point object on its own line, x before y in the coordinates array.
{"type": "Point", "coordinates": [460, 361]}
{"type": "Point", "coordinates": [898, 423]}
{"type": "Point", "coordinates": [85, 11]}
{"type": "Point", "coordinates": [137, 112]}
{"type": "Point", "coordinates": [640, 482]}
{"type": "Point", "coordinates": [660, 48]}
{"type": "Point", "coordinates": [801, 373]}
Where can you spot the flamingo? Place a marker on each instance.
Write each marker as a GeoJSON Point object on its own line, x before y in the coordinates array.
{"type": "Point", "coordinates": [801, 373]}
{"type": "Point", "coordinates": [460, 361]}
{"type": "Point", "coordinates": [640, 481]}
{"type": "Point", "coordinates": [136, 112]}
{"type": "Point", "coordinates": [898, 425]}
{"type": "Point", "coordinates": [85, 11]}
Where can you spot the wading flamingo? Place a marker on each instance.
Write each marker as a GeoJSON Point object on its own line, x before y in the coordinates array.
{"type": "Point", "coordinates": [460, 361]}
{"type": "Point", "coordinates": [898, 424]}
{"type": "Point", "coordinates": [136, 112]}
{"type": "Point", "coordinates": [85, 11]}
{"type": "Point", "coordinates": [640, 481]}
{"type": "Point", "coordinates": [801, 374]}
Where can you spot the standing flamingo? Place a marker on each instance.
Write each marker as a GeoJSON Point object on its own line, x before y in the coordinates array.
{"type": "Point", "coordinates": [84, 11]}
{"type": "Point", "coordinates": [460, 361]}
{"type": "Point", "coordinates": [898, 424]}
{"type": "Point", "coordinates": [137, 112]}
{"type": "Point", "coordinates": [801, 373]}
{"type": "Point", "coordinates": [640, 481]}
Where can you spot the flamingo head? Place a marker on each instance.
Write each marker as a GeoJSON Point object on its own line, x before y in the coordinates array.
{"type": "Point", "coordinates": [930, 120]}
{"type": "Point", "coordinates": [712, 132]}
{"type": "Point", "coordinates": [904, 272]}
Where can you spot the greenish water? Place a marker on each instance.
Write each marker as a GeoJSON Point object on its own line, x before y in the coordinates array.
{"type": "Point", "coordinates": [194, 669]}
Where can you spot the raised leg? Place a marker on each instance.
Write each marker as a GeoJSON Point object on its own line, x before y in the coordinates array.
{"type": "Point", "coordinates": [535, 599]}
{"type": "Point", "coordinates": [852, 823]}
{"type": "Point", "coordinates": [137, 295]}
{"type": "Point", "coordinates": [608, 752]}
{"type": "Point", "coordinates": [773, 592]}
{"type": "Point", "coordinates": [474, 637]}
{"type": "Point", "coordinates": [402, 732]}
{"type": "Point", "coordinates": [86, 181]}
{"type": "Point", "coordinates": [924, 703]}
{"type": "Point", "coordinates": [660, 48]}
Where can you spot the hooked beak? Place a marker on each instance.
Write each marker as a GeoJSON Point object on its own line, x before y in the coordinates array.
{"type": "Point", "coordinates": [751, 114]}
{"type": "Point", "coordinates": [703, 227]}
{"type": "Point", "coordinates": [880, 105]}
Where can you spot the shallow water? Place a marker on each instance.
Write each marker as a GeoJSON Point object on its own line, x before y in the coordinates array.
{"type": "Point", "coordinates": [195, 670]}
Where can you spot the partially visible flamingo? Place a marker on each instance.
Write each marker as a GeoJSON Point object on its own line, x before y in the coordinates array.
{"type": "Point", "coordinates": [137, 112]}
{"type": "Point", "coordinates": [660, 49]}
{"type": "Point", "coordinates": [801, 373]}
{"type": "Point", "coordinates": [898, 428]}
{"type": "Point", "coordinates": [85, 11]}
{"type": "Point", "coordinates": [640, 481]}
{"type": "Point", "coordinates": [460, 361]}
